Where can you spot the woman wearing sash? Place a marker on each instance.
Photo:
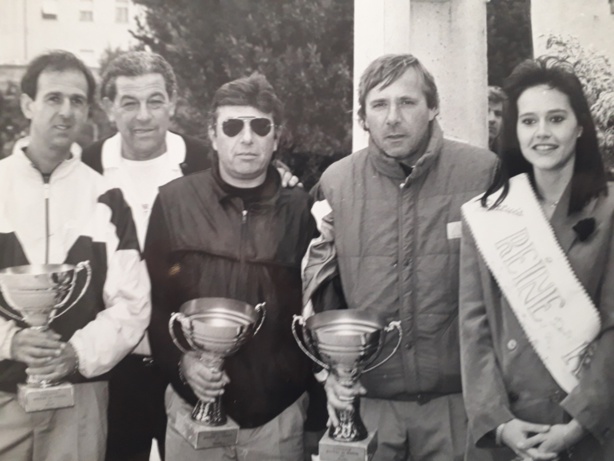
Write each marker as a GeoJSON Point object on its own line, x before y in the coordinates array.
{"type": "Point", "coordinates": [537, 281]}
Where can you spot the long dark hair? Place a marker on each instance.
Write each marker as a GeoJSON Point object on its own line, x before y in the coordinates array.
{"type": "Point", "coordinates": [589, 176]}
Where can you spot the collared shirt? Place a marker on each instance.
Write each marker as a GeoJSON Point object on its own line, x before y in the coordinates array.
{"type": "Point", "coordinates": [137, 178]}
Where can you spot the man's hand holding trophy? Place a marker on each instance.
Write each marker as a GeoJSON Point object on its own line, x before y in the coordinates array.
{"type": "Point", "coordinates": [345, 343]}
{"type": "Point", "coordinates": [212, 329]}
{"type": "Point", "coordinates": [35, 295]}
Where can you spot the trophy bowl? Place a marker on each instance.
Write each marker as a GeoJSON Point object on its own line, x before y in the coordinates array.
{"type": "Point", "coordinates": [36, 295]}
{"type": "Point", "coordinates": [346, 343]}
{"type": "Point", "coordinates": [214, 328]}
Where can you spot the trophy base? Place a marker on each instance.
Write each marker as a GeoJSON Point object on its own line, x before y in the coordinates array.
{"type": "Point", "coordinates": [362, 450]}
{"type": "Point", "coordinates": [201, 436]}
{"type": "Point", "coordinates": [45, 398]}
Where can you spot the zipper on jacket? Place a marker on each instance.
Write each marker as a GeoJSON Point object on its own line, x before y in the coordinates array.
{"type": "Point", "coordinates": [46, 178]}
{"type": "Point", "coordinates": [242, 236]}
{"type": "Point", "coordinates": [243, 232]}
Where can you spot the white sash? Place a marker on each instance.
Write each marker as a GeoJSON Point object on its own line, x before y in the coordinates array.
{"type": "Point", "coordinates": [522, 252]}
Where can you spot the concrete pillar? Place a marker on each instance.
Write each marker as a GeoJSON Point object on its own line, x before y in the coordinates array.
{"type": "Point", "coordinates": [449, 38]}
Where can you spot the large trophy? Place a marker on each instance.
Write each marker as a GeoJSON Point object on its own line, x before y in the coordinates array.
{"type": "Point", "coordinates": [346, 343]}
{"type": "Point", "coordinates": [214, 328]}
{"type": "Point", "coordinates": [37, 295]}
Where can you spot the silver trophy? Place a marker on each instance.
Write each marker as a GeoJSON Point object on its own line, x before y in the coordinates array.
{"type": "Point", "coordinates": [37, 295]}
{"type": "Point", "coordinates": [346, 343]}
{"type": "Point", "coordinates": [214, 328]}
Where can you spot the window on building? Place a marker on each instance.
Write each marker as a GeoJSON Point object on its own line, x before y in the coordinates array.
{"type": "Point", "coordinates": [86, 15]}
{"type": "Point", "coordinates": [125, 2]}
{"type": "Point", "coordinates": [49, 9]}
{"type": "Point", "coordinates": [121, 14]}
{"type": "Point", "coordinates": [612, 6]}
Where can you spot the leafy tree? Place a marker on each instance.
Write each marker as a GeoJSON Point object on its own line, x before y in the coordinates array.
{"type": "Point", "coordinates": [509, 37]}
{"type": "Point", "coordinates": [303, 47]}
{"type": "Point", "coordinates": [595, 72]}
{"type": "Point", "coordinates": [13, 124]}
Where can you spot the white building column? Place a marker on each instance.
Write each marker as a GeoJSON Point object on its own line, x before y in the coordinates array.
{"type": "Point", "coordinates": [449, 38]}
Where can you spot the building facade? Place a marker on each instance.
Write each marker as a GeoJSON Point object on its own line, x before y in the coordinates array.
{"type": "Point", "coordinates": [85, 27]}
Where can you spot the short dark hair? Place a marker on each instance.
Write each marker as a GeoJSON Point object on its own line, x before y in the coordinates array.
{"type": "Point", "coordinates": [496, 94]}
{"type": "Point", "coordinates": [255, 91]}
{"type": "Point", "coordinates": [56, 60]}
{"type": "Point", "coordinates": [387, 69]}
{"type": "Point", "coordinates": [589, 177]}
{"type": "Point", "coordinates": [135, 64]}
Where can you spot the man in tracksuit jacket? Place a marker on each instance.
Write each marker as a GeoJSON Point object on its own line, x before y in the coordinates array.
{"type": "Point", "coordinates": [56, 210]}
{"type": "Point", "coordinates": [389, 217]}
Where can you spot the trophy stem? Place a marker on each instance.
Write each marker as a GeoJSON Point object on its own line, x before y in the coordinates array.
{"type": "Point", "coordinates": [350, 428]}
{"type": "Point", "coordinates": [210, 413]}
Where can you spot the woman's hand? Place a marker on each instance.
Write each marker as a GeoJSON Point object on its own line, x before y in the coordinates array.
{"type": "Point", "coordinates": [525, 438]}
{"type": "Point", "coordinates": [562, 436]}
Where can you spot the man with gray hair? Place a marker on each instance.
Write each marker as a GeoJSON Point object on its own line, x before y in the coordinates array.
{"type": "Point", "coordinates": [389, 217]}
{"type": "Point", "coordinates": [139, 94]}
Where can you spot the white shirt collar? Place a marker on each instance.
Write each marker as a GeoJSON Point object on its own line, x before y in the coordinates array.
{"type": "Point", "coordinates": [112, 151]}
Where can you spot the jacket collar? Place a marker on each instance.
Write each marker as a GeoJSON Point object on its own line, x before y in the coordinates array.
{"type": "Point", "coordinates": [390, 167]}
{"type": "Point", "coordinates": [61, 170]}
{"type": "Point", "coordinates": [112, 151]}
{"type": "Point", "coordinates": [267, 193]}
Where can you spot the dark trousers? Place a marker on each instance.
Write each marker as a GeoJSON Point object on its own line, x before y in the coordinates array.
{"type": "Point", "coordinates": [136, 410]}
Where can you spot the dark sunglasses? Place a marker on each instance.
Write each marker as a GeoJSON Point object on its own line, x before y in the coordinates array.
{"type": "Point", "coordinates": [259, 125]}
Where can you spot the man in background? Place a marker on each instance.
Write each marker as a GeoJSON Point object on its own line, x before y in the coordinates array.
{"type": "Point", "coordinates": [496, 98]}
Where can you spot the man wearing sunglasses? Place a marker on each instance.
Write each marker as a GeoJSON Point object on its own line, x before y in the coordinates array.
{"type": "Point", "coordinates": [139, 94]}
{"type": "Point", "coordinates": [233, 231]}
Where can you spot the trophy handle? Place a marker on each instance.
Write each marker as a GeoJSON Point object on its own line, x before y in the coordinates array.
{"type": "Point", "coordinates": [392, 325]}
{"type": "Point", "coordinates": [261, 316]}
{"type": "Point", "coordinates": [299, 319]}
{"type": "Point", "coordinates": [10, 314]}
{"type": "Point", "coordinates": [171, 328]}
{"type": "Point", "coordinates": [78, 268]}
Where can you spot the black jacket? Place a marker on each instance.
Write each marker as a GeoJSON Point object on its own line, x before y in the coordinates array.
{"type": "Point", "coordinates": [206, 241]}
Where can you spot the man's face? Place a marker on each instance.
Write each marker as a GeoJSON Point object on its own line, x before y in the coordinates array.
{"type": "Point", "coordinates": [142, 111]}
{"type": "Point", "coordinates": [59, 109]}
{"type": "Point", "coordinates": [398, 117]}
{"type": "Point", "coordinates": [243, 155]}
{"type": "Point", "coordinates": [495, 120]}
